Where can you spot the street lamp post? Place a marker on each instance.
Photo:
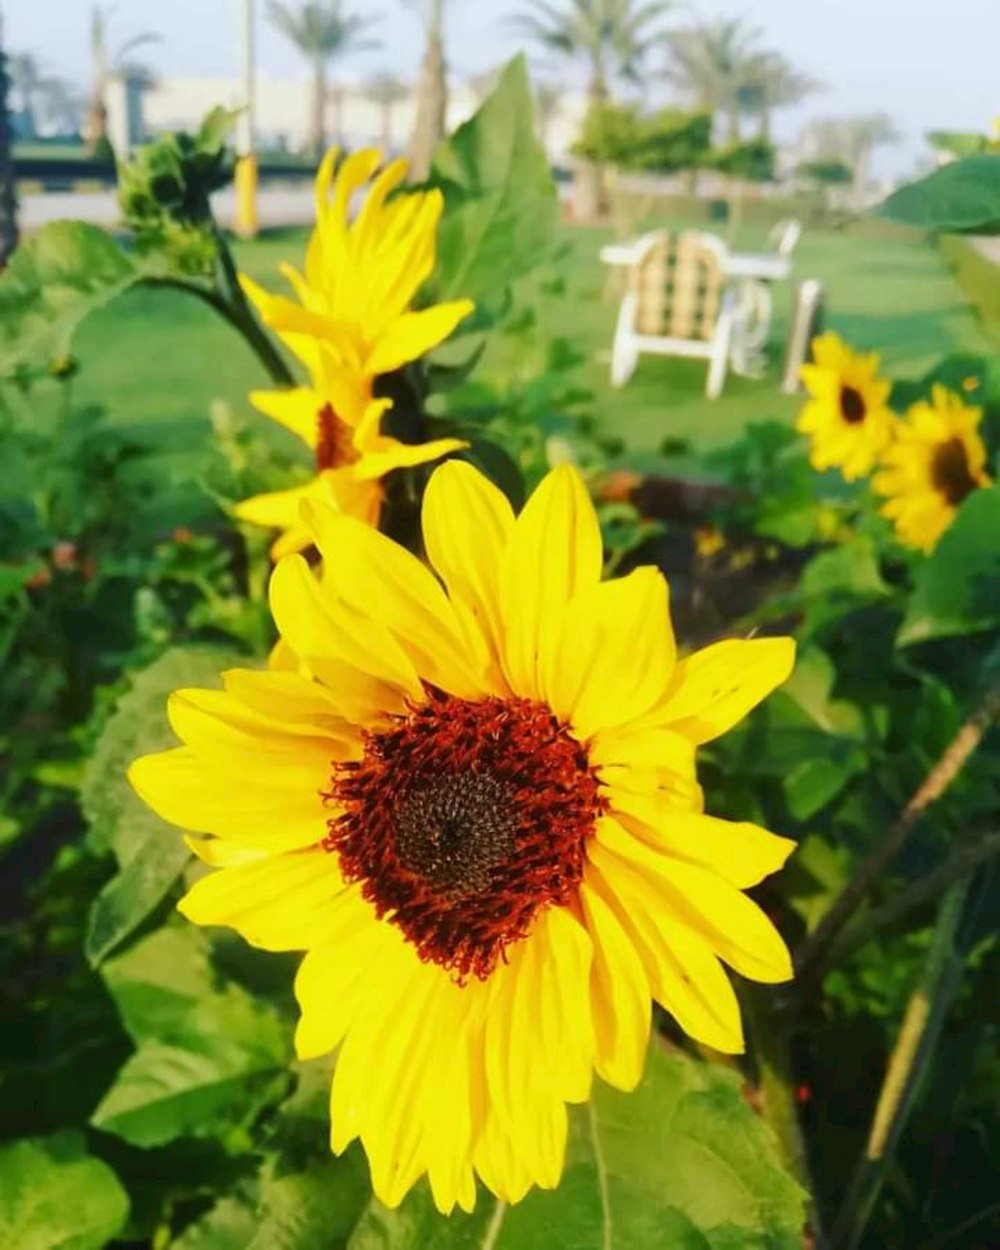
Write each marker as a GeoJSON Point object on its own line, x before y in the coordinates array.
{"type": "Point", "coordinates": [247, 223]}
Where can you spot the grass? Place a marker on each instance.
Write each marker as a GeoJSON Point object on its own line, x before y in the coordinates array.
{"type": "Point", "coordinates": [156, 360]}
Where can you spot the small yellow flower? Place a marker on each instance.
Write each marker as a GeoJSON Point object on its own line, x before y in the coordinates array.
{"type": "Point", "coordinates": [847, 415]}
{"type": "Point", "coordinates": [474, 806]}
{"type": "Point", "coordinates": [936, 460]}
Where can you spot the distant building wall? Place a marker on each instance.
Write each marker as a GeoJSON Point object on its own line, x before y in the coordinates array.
{"type": "Point", "coordinates": [283, 112]}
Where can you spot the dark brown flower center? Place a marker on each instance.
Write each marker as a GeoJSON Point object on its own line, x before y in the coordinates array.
{"type": "Point", "coordinates": [334, 442]}
{"type": "Point", "coordinates": [950, 472]}
{"type": "Point", "coordinates": [463, 819]}
{"type": "Point", "coordinates": [852, 405]}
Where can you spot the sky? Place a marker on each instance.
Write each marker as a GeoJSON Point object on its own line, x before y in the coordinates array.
{"type": "Point", "coordinates": [929, 64]}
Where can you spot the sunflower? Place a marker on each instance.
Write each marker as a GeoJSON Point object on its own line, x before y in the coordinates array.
{"type": "Point", "coordinates": [342, 426]}
{"type": "Point", "coordinates": [475, 808]}
{"type": "Point", "coordinates": [937, 459]}
{"type": "Point", "coordinates": [847, 415]}
{"type": "Point", "coordinates": [362, 275]}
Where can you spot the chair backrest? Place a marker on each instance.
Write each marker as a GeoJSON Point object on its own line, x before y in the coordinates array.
{"type": "Point", "coordinates": [784, 235]}
{"type": "Point", "coordinates": [678, 285]}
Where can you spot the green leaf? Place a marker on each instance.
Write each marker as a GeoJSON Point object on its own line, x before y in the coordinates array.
{"type": "Point", "coordinates": [54, 1196]}
{"type": "Point", "coordinates": [151, 853]}
{"type": "Point", "coordinates": [841, 579]}
{"type": "Point", "coordinates": [60, 275]}
{"type": "Point", "coordinates": [209, 1056]}
{"type": "Point", "coordinates": [960, 198]}
{"type": "Point", "coordinates": [683, 1162]}
{"type": "Point", "coordinates": [315, 1209]}
{"type": "Point", "coordinates": [230, 1225]}
{"type": "Point", "coordinates": [957, 588]}
{"type": "Point", "coordinates": [500, 201]}
{"type": "Point", "coordinates": [814, 876]}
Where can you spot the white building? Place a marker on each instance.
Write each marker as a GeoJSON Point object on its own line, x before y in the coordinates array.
{"type": "Point", "coordinates": [284, 108]}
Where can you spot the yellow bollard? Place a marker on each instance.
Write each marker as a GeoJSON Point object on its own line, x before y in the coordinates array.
{"type": "Point", "coordinates": [247, 223]}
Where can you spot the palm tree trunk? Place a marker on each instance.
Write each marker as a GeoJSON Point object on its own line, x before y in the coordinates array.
{"type": "Point", "coordinates": [432, 96]}
{"type": "Point", "coordinates": [317, 125]}
{"type": "Point", "coordinates": [590, 199]}
{"type": "Point", "coordinates": [8, 196]}
{"type": "Point", "coordinates": [96, 123]}
{"type": "Point", "coordinates": [862, 164]}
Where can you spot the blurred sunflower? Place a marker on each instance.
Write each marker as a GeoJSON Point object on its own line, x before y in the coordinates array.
{"type": "Point", "coordinates": [362, 275]}
{"type": "Point", "coordinates": [475, 807]}
{"type": "Point", "coordinates": [847, 415]}
{"type": "Point", "coordinates": [353, 322]}
{"type": "Point", "coordinates": [936, 460]}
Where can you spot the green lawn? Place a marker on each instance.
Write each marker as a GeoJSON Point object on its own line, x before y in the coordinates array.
{"type": "Point", "coordinates": [156, 359]}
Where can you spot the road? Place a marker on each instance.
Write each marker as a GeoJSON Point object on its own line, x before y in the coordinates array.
{"type": "Point", "coordinates": [277, 206]}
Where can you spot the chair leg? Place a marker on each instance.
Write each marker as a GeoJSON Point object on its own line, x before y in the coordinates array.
{"type": "Point", "coordinates": [624, 356]}
{"type": "Point", "coordinates": [720, 358]}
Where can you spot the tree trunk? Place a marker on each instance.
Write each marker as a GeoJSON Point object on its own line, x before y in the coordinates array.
{"type": "Point", "coordinates": [862, 163]}
{"type": "Point", "coordinates": [317, 123]}
{"type": "Point", "coordinates": [96, 122]}
{"type": "Point", "coordinates": [590, 197]}
{"type": "Point", "coordinates": [8, 195]}
{"type": "Point", "coordinates": [432, 97]}
{"type": "Point", "coordinates": [733, 126]}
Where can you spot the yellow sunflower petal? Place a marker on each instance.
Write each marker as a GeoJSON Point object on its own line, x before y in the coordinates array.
{"type": "Point", "coordinates": [296, 409]}
{"type": "Point", "coordinates": [279, 903]}
{"type": "Point", "coordinates": [716, 687]}
{"type": "Point", "coordinates": [413, 334]}
{"type": "Point", "coordinates": [741, 853]}
{"type": "Point", "coordinates": [467, 556]}
{"type": "Point", "coordinates": [554, 553]}
{"type": "Point", "coordinates": [395, 455]}
{"type": "Point", "coordinates": [620, 996]}
{"type": "Point", "coordinates": [616, 637]}
{"type": "Point", "coordinates": [372, 574]}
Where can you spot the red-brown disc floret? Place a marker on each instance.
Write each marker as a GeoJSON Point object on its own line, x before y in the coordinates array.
{"type": "Point", "coordinates": [464, 818]}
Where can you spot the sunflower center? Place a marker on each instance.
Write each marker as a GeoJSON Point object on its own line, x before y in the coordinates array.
{"type": "Point", "coordinates": [463, 819]}
{"type": "Point", "coordinates": [334, 444]}
{"type": "Point", "coordinates": [950, 472]}
{"type": "Point", "coordinates": [852, 405]}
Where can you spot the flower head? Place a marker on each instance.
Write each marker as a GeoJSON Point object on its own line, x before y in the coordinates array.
{"type": "Point", "coordinates": [475, 808]}
{"type": "Point", "coordinates": [937, 459]}
{"type": "Point", "coordinates": [847, 415]}
{"type": "Point", "coordinates": [352, 323]}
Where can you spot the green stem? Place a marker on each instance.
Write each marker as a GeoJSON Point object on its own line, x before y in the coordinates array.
{"type": "Point", "coordinates": [769, 1022]}
{"type": "Point", "coordinates": [813, 955]}
{"type": "Point", "coordinates": [242, 314]}
{"type": "Point", "coordinates": [919, 1032]}
{"type": "Point", "coordinates": [914, 896]}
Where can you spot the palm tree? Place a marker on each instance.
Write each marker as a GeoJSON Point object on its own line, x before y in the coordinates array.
{"type": "Point", "coordinates": [548, 96]}
{"type": "Point", "coordinates": [8, 195]}
{"type": "Point", "coordinates": [770, 82]}
{"type": "Point", "coordinates": [387, 90]}
{"type": "Point", "coordinates": [322, 30]}
{"type": "Point", "coordinates": [432, 91]}
{"type": "Point", "coordinates": [709, 61]}
{"type": "Point", "coordinates": [25, 75]}
{"type": "Point", "coordinates": [108, 61]}
{"type": "Point", "coordinates": [612, 37]}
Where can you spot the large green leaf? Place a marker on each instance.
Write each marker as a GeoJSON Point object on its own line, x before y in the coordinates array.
{"type": "Point", "coordinates": [151, 853]}
{"type": "Point", "coordinates": [500, 200]}
{"type": "Point", "coordinates": [54, 1196]}
{"type": "Point", "coordinates": [230, 1225]}
{"type": "Point", "coordinates": [960, 198]}
{"type": "Point", "coordinates": [682, 1163]}
{"type": "Point", "coordinates": [315, 1209]}
{"type": "Point", "coordinates": [957, 589]}
{"type": "Point", "coordinates": [209, 1057]}
{"type": "Point", "coordinates": [56, 278]}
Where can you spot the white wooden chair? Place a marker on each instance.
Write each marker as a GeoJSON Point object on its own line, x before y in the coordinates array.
{"type": "Point", "coordinates": [677, 304]}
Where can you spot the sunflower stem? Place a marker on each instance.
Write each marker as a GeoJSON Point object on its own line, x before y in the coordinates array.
{"type": "Point", "coordinates": [813, 955]}
{"type": "Point", "coordinates": [241, 315]}
{"type": "Point", "coordinates": [919, 1032]}
{"type": "Point", "coordinates": [769, 1021]}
